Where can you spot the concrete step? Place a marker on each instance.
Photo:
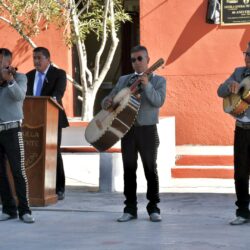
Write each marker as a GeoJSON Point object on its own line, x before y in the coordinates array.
{"type": "Point", "coordinates": [203, 162]}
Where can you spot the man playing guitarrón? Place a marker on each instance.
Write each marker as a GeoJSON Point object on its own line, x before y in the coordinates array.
{"type": "Point", "coordinates": [142, 138]}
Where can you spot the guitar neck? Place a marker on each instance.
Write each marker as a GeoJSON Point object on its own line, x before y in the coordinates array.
{"type": "Point", "coordinates": [150, 70]}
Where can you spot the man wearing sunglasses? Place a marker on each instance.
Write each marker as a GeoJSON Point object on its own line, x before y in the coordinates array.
{"type": "Point", "coordinates": [142, 138]}
{"type": "Point", "coordinates": [241, 142]}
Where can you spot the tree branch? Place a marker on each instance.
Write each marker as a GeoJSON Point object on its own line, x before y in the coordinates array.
{"type": "Point", "coordinates": [28, 39]}
{"type": "Point", "coordinates": [80, 49]}
{"type": "Point", "coordinates": [104, 39]}
{"type": "Point", "coordinates": [113, 46]}
{"type": "Point", "coordinates": [33, 45]}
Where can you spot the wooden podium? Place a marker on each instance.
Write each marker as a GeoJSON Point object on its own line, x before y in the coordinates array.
{"type": "Point", "coordinates": [40, 128]}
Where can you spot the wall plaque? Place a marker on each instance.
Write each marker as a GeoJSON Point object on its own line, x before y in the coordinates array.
{"type": "Point", "coordinates": [235, 12]}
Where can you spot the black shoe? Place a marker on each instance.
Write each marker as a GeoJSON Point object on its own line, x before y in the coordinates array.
{"type": "Point", "coordinates": [60, 195]}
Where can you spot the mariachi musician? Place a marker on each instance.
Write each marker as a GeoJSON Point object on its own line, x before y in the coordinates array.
{"type": "Point", "coordinates": [241, 142]}
{"type": "Point", "coordinates": [13, 87]}
{"type": "Point", "coordinates": [142, 138]}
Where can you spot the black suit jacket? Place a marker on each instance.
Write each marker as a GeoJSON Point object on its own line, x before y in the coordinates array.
{"type": "Point", "coordinates": [54, 85]}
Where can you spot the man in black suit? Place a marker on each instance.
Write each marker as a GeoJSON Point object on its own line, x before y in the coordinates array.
{"type": "Point", "coordinates": [47, 80]}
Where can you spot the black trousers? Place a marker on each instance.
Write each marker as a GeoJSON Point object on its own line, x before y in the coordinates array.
{"type": "Point", "coordinates": [145, 141]}
{"type": "Point", "coordinates": [60, 175]}
{"type": "Point", "coordinates": [242, 170]}
{"type": "Point", "coordinates": [11, 145]}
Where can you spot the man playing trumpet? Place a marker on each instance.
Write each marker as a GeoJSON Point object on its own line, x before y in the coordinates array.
{"type": "Point", "coordinates": [12, 93]}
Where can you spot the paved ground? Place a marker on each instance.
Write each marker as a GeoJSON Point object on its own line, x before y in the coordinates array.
{"type": "Point", "coordinates": [192, 219]}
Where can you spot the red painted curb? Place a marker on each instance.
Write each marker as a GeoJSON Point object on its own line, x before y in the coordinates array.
{"type": "Point", "coordinates": [204, 160]}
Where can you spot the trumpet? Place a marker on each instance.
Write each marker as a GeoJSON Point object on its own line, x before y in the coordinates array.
{"type": "Point", "coordinates": [11, 70]}
{"type": "Point", "coordinates": [7, 73]}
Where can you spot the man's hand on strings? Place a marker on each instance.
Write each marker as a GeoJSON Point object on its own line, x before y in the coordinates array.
{"type": "Point", "coordinates": [234, 87]}
{"type": "Point", "coordinates": [144, 79]}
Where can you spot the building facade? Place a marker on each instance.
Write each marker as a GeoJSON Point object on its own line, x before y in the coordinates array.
{"type": "Point", "coordinates": [199, 56]}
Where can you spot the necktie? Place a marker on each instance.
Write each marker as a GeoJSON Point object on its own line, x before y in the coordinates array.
{"type": "Point", "coordinates": [39, 84]}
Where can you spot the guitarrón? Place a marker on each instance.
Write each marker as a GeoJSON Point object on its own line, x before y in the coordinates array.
{"type": "Point", "coordinates": [109, 126]}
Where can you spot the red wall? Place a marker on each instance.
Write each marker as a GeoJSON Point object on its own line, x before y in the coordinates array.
{"type": "Point", "coordinates": [199, 56]}
{"type": "Point", "coordinates": [22, 54]}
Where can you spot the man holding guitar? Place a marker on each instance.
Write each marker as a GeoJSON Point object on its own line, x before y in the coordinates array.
{"type": "Point", "coordinates": [142, 137]}
{"type": "Point", "coordinates": [241, 142]}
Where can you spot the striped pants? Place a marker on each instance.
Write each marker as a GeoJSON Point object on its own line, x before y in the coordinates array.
{"type": "Point", "coordinates": [12, 147]}
{"type": "Point", "coordinates": [145, 141]}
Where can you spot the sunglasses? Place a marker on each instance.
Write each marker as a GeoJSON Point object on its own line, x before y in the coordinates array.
{"type": "Point", "coordinates": [139, 58]}
{"type": "Point", "coordinates": [246, 54]}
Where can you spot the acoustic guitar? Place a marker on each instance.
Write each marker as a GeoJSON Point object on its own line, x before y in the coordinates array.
{"type": "Point", "coordinates": [237, 104]}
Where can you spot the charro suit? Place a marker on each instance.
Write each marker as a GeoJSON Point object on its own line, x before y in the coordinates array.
{"type": "Point", "coordinates": [142, 139]}
{"type": "Point", "coordinates": [54, 85]}
{"type": "Point", "coordinates": [11, 145]}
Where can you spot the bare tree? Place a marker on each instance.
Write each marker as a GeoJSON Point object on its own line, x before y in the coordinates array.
{"type": "Point", "coordinates": [77, 19]}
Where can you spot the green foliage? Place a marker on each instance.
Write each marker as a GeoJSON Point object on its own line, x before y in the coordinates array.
{"type": "Point", "coordinates": [91, 19]}
{"type": "Point", "coordinates": [29, 17]}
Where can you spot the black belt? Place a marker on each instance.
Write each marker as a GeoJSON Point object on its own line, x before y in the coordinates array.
{"type": "Point", "coordinates": [244, 125]}
{"type": "Point", "coordinates": [9, 125]}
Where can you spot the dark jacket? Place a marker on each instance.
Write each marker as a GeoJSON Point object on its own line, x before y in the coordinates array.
{"type": "Point", "coordinates": [54, 85]}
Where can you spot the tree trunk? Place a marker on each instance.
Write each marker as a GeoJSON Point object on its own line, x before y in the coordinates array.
{"type": "Point", "coordinates": [88, 104]}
